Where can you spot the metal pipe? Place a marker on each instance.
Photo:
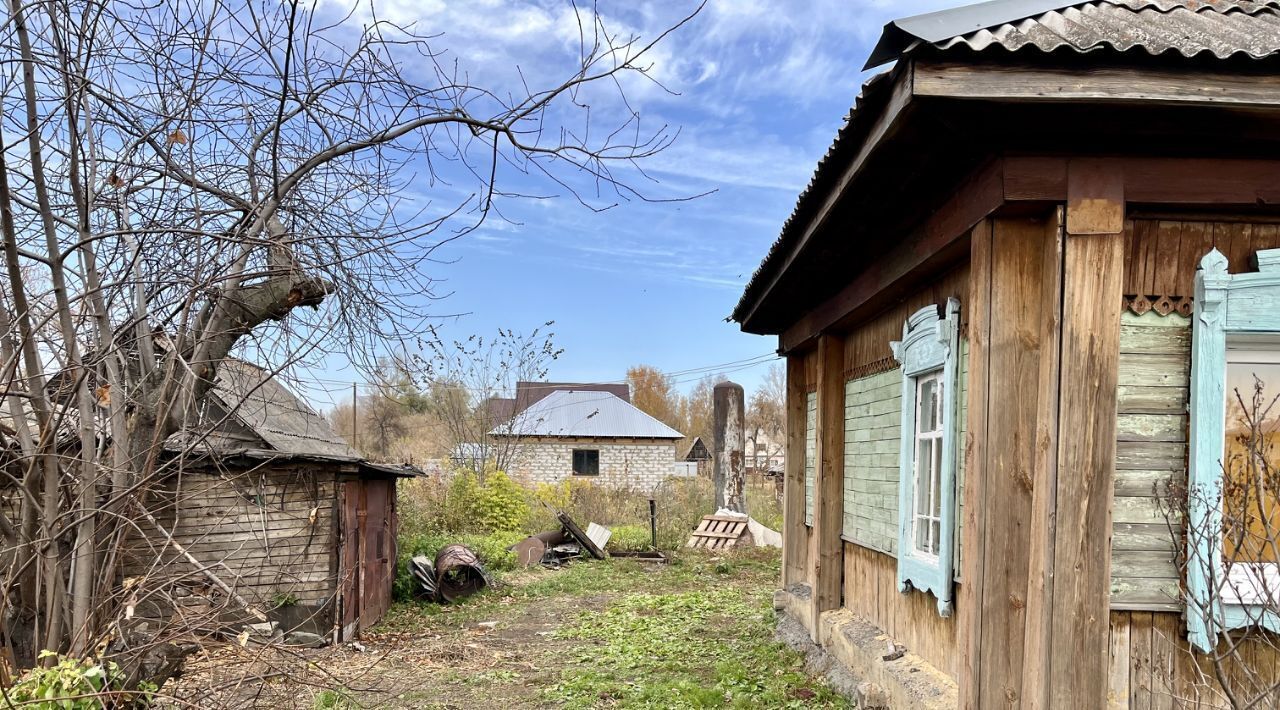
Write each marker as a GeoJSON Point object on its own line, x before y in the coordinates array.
{"type": "Point", "coordinates": [653, 522]}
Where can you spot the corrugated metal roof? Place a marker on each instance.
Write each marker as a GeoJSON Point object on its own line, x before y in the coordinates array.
{"type": "Point", "coordinates": [586, 414]}
{"type": "Point", "coordinates": [262, 403]}
{"type": "Point", "coordinates": [1219, 29]}
{"type": "Point", "coordinates": [1222, 28]}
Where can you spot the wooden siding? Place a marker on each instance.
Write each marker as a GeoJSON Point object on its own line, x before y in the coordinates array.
{"type": "Point", "coordinates": [873, 424]}
{"type": "Point", "coordinates": [1011, 338]}
{"type": "Point", "coordinates": [1161, 255]}
{"type": "Point", "coordinates": [867, 344]}
{"type": "Point", "coordinates": [1151, 436]}
{"type": "Point", "coordinates": [267, 532]}
{"type": "Point", "coordinates": [911, 619]}
{"type": "Point", "coordinates": [1151, 666]}
{"type": "Point", "coordinates": [810, 452]}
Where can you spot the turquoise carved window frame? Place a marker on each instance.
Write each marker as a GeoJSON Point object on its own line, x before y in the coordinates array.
{"type": "Point", "coordinates": [930, 345]}
{"type": "Point", "coordinates": [1226, 306]}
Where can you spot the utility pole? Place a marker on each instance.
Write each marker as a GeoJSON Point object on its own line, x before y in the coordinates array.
{"type": "Point", "coordinates": [729, 475]}
{"type": "Point", "coordinates": [355, 421]}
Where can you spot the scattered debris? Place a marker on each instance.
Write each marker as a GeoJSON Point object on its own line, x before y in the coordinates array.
{"type": "Point", "coordinates": [424, 572]}
{"type": "Point", "coordinates": [458, 573]}
{"type": "Point", "coordinates": [487, 625]}
{"type": "Point", "coordinates": [455, 574]}
{"type": "Point", "coordinates": [582, 538]}
{"type": "Point", "coordinates": [726, 528]}
{"type": "Point", "coordinates": [643, 556]}
{"type": "Point", "coordinates": [305, 639]}
{"type": "Point", "coordinates": [533, 549]}
{"type": "Point", "coordinates": [554, 548]}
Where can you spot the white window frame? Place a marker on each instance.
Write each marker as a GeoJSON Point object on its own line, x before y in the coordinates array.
{"type": "Point", "coordinates": [935, 436]}
{"type": "Point", "coordinates": [930, 348]}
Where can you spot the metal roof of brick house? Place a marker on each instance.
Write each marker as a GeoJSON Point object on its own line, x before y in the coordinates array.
{"type": "Point", "coordinates": [1181, 29]}
{"type": "Point", "coordinates": [586, 414]}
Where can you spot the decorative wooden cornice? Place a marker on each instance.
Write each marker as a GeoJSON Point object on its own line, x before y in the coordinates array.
{"type": "Point", "coordinates": [871, 368]}
{"type": "Point", "coordinates": [1164, 305]}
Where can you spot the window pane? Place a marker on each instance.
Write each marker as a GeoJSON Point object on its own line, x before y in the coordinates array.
{"type": "Point", "coordinates": [928, 406]}
{"type": "Point", "coordinates": [922, 535]}
{"type": "Point", "coordinates": [924, 473]}
{"type": "Point", "coordinates": [1251, 489]}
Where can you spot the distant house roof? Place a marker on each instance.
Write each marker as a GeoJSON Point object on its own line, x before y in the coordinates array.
{"type": "Point", "coordinates": [697, 451]}
{"type": "Point", "coordinates": [586, 414]}
{"type": "Point", "coordinates": [530, 393]}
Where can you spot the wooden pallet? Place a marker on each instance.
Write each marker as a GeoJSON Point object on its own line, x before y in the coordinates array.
{"type": "Point", "coordinates": [716, 532]}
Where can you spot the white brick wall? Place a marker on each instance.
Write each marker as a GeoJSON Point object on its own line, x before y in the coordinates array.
{"type": "Point", "coordinates": [627, 463]}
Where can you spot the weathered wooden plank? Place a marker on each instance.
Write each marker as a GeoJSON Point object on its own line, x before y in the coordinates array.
{"type": "Point", "coordinates": [1140, 661]}
{"type": "Point", "coordinates": [1009, 469]}
{"type": "Point", "coordinates": [1151, 427]}
{"type": "Point", "coordinates": [1042, 531]}
{"type": "Point", "coordinates": [1142, 482]}
{"type": "Point", "coordinates": [1011, 81]}
{"type": "Point", "coordinates": [1155, 537]}
{"type": "Point", "coordinates": [794, 545]}
{"type": "Point", "coordinates": [825, 553]}
{"type": "Point", "coordinates": [969, 596]}
{"type": "Point", "coordinates": [1092, 283]}
{"type": "Point", "coordinates": [1144, 594]}
{"type": "Point", "coordinates": [1142, 510]}
{"type": "Point", "coordinates": [1155, 337]}
{"type": "Point", "coordinates": [1149, 370]}
{"type": "Point", "coordinates": [1118, 662]}
{"type": "Point", "coordinates": [1164, 649]}
{"type": "Point", "coordinates": [1143, 564]}
{"type": "Point", "coordinates": [1151, 455]}
{"type": "Point", "coordinates": [1134, 399]}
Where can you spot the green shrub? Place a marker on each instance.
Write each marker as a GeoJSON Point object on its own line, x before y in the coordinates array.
{"type": "Point", "coordinates": [500, 505]}
{"type": "Point", "coordinates": [74, 684]}
{"type": "Point", "coordinates": [631, 538]}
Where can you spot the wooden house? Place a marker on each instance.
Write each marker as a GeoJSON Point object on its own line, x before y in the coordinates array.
{"type": "Point", "coordinates": [1014, 300]}
{"type": "Point", "coordinates": [266, 503]}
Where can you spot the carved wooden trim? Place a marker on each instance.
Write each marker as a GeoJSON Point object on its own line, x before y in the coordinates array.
{"type": "Point", "coordinates": [871, 368]}
{"type": "Point", "coordinates": [1164, 305]}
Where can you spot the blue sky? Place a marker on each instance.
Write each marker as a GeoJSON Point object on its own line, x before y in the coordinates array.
{"type": "Point", "coordinates": [762, 86]}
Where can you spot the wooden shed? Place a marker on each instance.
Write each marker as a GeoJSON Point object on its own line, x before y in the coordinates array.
{"type": "Point", "coordinates": [1014, 301]}
{"type": "Point", "coordinates": [268, 500]}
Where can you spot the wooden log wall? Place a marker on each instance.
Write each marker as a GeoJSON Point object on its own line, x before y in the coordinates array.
{"type": "Point", "coordinates": [268, 532]}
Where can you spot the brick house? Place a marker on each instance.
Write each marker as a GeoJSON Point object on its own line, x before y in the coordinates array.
{"type": "Point", "coordinates": [592, 435]}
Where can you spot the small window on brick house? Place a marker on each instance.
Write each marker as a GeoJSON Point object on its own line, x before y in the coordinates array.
{"type": "Point", "coordinates": [586, 462]}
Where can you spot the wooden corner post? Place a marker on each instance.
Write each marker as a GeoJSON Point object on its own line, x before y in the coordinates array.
{"type": "Point", "coordinates": [825, 559]}
{"type": "Point", "coordinates": [1093, 265]}
{"type": "Point", "coordinates": [794, 539]}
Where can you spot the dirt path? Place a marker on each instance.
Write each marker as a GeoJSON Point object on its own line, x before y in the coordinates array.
{"type": "Point", "coordinates": [698, 633]}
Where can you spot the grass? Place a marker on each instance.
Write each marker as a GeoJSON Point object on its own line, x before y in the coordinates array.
{"type": "Point", "coordinates": [696, 633]}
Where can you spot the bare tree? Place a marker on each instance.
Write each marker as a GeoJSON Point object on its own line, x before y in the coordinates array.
{"type": "Point", "coordinates": [185, 181]}
{"type": "Point", "coordinates": [766, 421]}
{"type": "Point", "coordinates": [1248, 496]}
{"type": "Point", "coordinates": [473, 386]}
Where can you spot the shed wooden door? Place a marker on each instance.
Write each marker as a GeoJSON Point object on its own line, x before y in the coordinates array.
{"type": "Point", "coordinates": [368, 552]}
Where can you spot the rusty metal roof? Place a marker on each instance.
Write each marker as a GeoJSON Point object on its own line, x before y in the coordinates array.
{"type": "Point", "coordinates": [1218, 29]}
